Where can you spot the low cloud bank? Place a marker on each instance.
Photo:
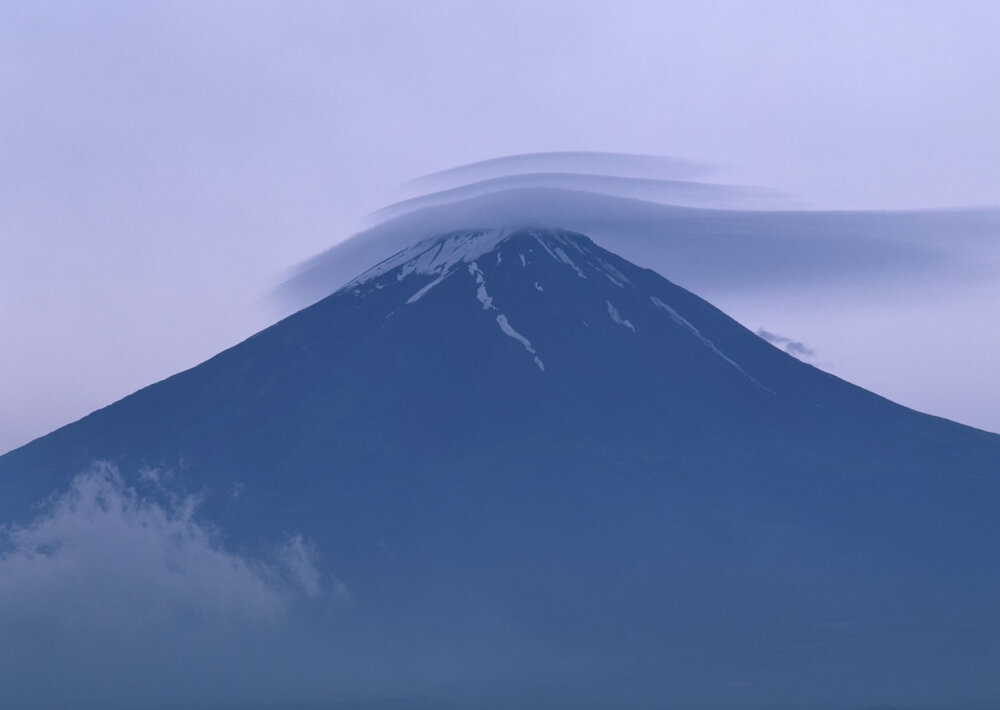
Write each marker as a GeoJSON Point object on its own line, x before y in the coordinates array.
{"type": "Point", "coordinates": [119, 595]}
{"type": "Point", "coordinates": [112, 598]}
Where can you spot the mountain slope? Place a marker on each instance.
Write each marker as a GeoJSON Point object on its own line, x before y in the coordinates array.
{"type": "Point", "coordinates": [516, 439]}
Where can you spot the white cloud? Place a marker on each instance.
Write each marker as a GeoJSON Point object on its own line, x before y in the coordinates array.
{"type": "Point", "coordinates": [115, 598]}
{"type": "Point", "coordinates": [796, 348]}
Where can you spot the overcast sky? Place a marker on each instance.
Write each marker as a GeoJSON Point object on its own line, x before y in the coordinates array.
{"type": "Point", "coordinates": [164, 165]}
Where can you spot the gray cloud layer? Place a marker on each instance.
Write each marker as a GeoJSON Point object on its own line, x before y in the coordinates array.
{"type": "Point", "coordinates": [683, 193]}
{"type": "Point", "coordinates": [707, 250]}
{"type": "Point", "coordinates": [628, 165]}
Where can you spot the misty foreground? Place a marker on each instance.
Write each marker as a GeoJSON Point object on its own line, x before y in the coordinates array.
{"type": "Point", "coordinates": [504, 468]}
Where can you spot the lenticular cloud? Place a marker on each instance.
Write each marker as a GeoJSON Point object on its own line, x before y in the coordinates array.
{"type": "Point", "coordinates": [720, 240]}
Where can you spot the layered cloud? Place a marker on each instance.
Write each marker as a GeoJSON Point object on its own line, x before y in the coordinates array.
{"type": "Point", "coordinates": [712, 238]}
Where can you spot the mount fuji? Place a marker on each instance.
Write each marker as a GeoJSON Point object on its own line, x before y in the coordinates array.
{"type": "Point", "coordinates": [525, 454]}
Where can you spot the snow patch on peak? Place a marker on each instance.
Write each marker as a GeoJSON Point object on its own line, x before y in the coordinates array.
{"type": "Point", "coordinates": [437, 255]}
{"type": "Point", "coordinates": [617, 318]}
{"type": "Point", "coordinates": [563, 257]}
{"type": "Point", "coordinates": [558, 254]}
{"type": "Point", "coordinates": [613, 275]}
{"type": "Point", "coordinates": [422, 292]}
{"type": "Point", "coordinates": [573, 243]}
{"type": "Point", "coordinates": [481, 295]}
{"type": "Point", "coordinates": [509, 331]}
{"type": "Point", "coordinates": [505, 327]}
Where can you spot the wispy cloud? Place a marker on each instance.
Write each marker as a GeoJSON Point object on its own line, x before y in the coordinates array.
{"type": "Point", "coordinates": [789, 345]}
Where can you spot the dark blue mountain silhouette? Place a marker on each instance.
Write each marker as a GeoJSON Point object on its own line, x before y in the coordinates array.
{"type": "Point", "coordinates": [516, 446]}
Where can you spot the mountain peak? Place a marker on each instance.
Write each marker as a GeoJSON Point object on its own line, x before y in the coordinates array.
{"type": "Point", "coordinates": [516, 273]}
{"type": "Point", "coordinates": [443, 253]}
{"type": "Point", "coordinates": [522, 418]}
{"type": "Point", "coordinates": [437, 254]}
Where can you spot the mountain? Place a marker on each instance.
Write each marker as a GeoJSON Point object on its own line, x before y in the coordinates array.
{"type": "Point", "coordinates": [524, 454]}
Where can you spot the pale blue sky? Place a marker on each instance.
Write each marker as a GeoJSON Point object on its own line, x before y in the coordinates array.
{"type": "Point", "coordinates": [164, 164]}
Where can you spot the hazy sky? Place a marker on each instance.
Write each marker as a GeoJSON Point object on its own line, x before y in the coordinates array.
{"type": "Point", "coordinates": [164, 165]}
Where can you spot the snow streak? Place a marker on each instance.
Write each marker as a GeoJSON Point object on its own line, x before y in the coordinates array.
{"type": "Point", "coordinates": [617, 318]}
{"type": "Point", "coordinates": [683, 322]}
